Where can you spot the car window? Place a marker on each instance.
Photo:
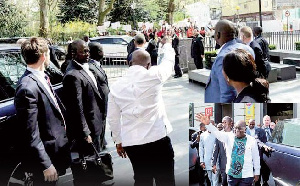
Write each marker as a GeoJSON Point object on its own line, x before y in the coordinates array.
{"type": "Point", "coordinates": [118, 41]}
{"type": "Point", "coordinates": [12, 68]}
{"type": "Point", "coordinates": [106, 40]}
{"type": "Point", "coordinates": [286, 132]}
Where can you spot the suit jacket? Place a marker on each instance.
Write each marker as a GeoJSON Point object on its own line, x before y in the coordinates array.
{"type": "Point", "coordinates": [217, 90]}
{"type": "Point", "coordinates": [102, 81]}
{"type": "Point", "coordinates": [263, 43]}
{"type": "Point", "coordinates": [261, 138]}
{"type": "Point", "coordinates": [219, 153]}
{"type": "Point", "coordinates": [84, 104]}
{"type": "Point", "coordinates": [197, 47]}
{"type": "Point", "coordinates": [43, 138]}
{"type": "Point", "coordinates": [259, 59]}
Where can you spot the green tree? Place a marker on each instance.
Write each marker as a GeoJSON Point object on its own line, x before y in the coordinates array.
{"type": "Point", "coordinates": [11, 20]}
{"type": "Point", "coordinates": [72, 10]}
{"type": "Point", "coordinates": [104, 10]}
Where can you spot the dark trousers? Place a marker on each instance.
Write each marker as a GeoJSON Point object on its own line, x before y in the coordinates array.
{"type": "Point", "coordinates": [198, 62]}
{"type": "Point", "coordinates": [203, 178]}
{"type": "Point", "coordinates": [153, 160]}
{"type": "Point", "coordinates": [224, 178]}
{"type": "Point", "coordinates": [264, 172]}
{"type": "Point", "coordinates": [38, 179]}
{"type": "Point", "coordinates": [177, 67]}
{"type": "Point", "coordinates": [239, 181]}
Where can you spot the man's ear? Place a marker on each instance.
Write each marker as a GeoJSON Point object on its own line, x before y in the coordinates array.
{"type": "Point", "coordinates": [218, 35]}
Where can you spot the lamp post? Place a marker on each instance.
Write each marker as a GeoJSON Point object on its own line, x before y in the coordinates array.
{"type": "Point", "coordinates": [237, 10]}
{"type": "Point", "coordinates": [260, 17]}
{"type": "Point", "coordinates": [133, 6]}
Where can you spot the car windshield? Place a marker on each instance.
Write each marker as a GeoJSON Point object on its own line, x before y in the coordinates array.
{"type": "Point", "coordinates": [286, 132]}
{"type": "Point", "coordinates": [127, 38]}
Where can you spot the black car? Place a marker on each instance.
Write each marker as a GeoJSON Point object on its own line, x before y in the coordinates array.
{"type": "Point", "coordinates": [12, 67]}
{"type": "Point", "coordinates": [284, 162]}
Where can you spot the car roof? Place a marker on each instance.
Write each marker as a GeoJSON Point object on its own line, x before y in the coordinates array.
{"type": "Point", "coordinates": [10, 47]}
{"type": "Point", "coordinates": [112, 36]}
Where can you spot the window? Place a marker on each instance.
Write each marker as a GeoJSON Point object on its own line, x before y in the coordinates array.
{"type": "Point", "coordinates": [118, 41]}
{"type": "Point", "coordinates": [106, 40]}
{"type": "Point", "coordinates": [287, 132]}
{"type": "Point", "coordinates": [11, 69]}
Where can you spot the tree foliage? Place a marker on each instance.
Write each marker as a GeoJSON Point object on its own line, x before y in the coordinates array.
{"type": "Point", "coordinates": [71, 10]}
{"type": "Point", "coordinates": [11, 20]}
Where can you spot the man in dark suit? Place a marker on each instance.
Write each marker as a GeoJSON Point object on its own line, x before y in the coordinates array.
{"type": "Point", "coordinates": [197, 50]}
{"type": "Point", "coordinates": [246, 36]}
{"type": "Point", "coordinates": [261, 41]}
{"type": "Point", "coordinates": [85, 105]}
{"type": "Point", "coordinates": [43, 142]}
{"type": "Point", "coordinates": [260, 135]}
{"type": "Point", "coordinates": [175, 44]}
{"type": "Point", "coordinates": [96, 57]}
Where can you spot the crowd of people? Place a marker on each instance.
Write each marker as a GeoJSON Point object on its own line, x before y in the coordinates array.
{"type": "Point", "coordinates": [52, 127]}
{"type": "Point", "coordinates": [232, 153]}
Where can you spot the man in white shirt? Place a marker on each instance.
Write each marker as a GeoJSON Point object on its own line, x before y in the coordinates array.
{"type": "Point", "coordinates": [243, 162]}
{"type": "Point", "coordinates": [138, 121]}
{"type": "Point", "coordinates": [206, 147]}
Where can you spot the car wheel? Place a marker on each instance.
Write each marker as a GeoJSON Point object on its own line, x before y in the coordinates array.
{"type": "Point", "coordinates": [19, 177]}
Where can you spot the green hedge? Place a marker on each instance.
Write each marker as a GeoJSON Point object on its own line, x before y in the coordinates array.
{"type": "Point", "coordinates": [208, 56]}
{"type": "Point", "coordinates": [297, 45]}
{"type": "Point", "coordinates": [272, 47]}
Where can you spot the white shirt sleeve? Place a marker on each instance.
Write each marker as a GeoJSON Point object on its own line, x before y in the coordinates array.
{"type": "Point", "coordinates": [114, 119]}
{"type": "Point", "coordinates": [201, 150]}
{"type": "Point", "coordinates": [220, 135]}
{"type": "Point", "coordinates": [166, 66]}
{"type": "Point", "coordinates": [255, 158]}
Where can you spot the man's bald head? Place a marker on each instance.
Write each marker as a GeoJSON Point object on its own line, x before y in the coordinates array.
{"type": "Point", "coordinates": [80, 51]}
{"type": "Point", "coordinates": [142, 58]}
{"type": "Point", "coordinates": [224, 31]}
{"type": "Point", "coordinates": [240, 129]}
{"type": "Point", "coordinates": [96, 51]}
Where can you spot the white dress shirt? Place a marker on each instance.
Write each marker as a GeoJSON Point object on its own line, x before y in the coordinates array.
{"type": "Point", "coordinates": [86, 68]}
{"type": "Point", "coordinates": [136, 111]}
{"type": "Point", "coordinates": [251, 164]}
{"type": "Point", "coordinates": [40, 75]}
{"type": "Point", "coordinates": [206, 148]}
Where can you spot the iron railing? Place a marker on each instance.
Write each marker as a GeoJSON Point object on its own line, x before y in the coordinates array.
{"type": "Point", "coordinates": [283, 40]}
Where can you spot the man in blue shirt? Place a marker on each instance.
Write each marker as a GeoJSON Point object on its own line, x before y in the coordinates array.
{"type": "Point", "coordinates": [217, 90]}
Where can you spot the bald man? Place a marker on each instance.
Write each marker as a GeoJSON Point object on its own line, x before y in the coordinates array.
{"type": "Point", "coordinates": [138, 121]}
{"type": "Point", "coordinates": [217, 89]}
{"type": "Point", "coordinates": [243, 162]}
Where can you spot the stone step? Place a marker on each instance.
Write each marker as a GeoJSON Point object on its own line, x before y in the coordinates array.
{"type": "Point", "coordinates": [284, 71]}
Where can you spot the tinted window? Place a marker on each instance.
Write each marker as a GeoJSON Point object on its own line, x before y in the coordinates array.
{"type": "Point", "coordinates": [118, 41]}
{"type": "Point", "coordinates": [106, 40]}
{"type": "Point", "coordinates": [287, 133]}
{"type": "Point", "coordinates": [11, 69]}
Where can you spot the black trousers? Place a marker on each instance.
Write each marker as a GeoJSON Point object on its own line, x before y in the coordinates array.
{"type": "Point", "coordinates": [177, 67]}
{"type": "Point", "coordinates": [153, 160]}
{"type": "Point", "coordinates": [198, 62]}
{"type": "Point", "coordinates": [264, 172]}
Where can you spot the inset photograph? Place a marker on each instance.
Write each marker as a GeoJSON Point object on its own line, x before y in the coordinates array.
{"type": "Point", "coordinates": [244, 143]}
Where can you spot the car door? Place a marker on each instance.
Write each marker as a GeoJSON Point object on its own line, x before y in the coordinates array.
{"type": "Point", "coordinates": [284, 163]}
{"type": "Point", "coordinates": [12, 68]}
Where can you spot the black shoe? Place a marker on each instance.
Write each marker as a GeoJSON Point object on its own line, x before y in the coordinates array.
{"type": "Point", "coordinates": [177, 76]}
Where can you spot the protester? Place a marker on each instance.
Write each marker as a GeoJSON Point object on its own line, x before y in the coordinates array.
{"type": "Point", "coordinates": [217, 90]}
{"type": "Point", "coordinates": [239, 72]}
{"type": "Point", "coordinates": [243, 166]}
{"type": "Point", "coordinates": [44, 148]}
{"type": "Point", "coordinates": [219, 153]}
{"type": "Point", "coordinates": [197, 50]}
{"type": "Point", "coordinates": [138, 120]}
{"type": "Point", "coordinates": [96, 57]}
{"type": "Point", "coordinates": [202, 32]}
{"type": "Point", "coordinates": [84, 104]}
{"type": "Point", "coordinates": [246, 36]}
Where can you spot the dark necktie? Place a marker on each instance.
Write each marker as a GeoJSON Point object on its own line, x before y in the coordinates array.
{"type": "Point", "coordinates": [54, 96]}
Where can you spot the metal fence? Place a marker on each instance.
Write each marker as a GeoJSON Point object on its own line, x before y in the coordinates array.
{"type": "Point", "coordinates": [283, 40]}
{"type": "Point", "coordinates": [115, 64]}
